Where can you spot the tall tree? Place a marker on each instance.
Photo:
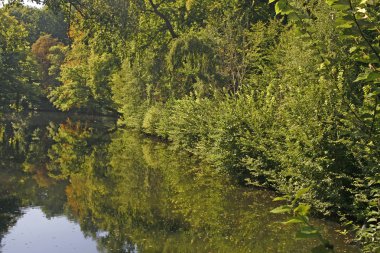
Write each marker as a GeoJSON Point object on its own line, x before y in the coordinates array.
{"type": "Point", "coordinates": [41, 50]}
{"type": "Point", "coordinates": [14, 62]}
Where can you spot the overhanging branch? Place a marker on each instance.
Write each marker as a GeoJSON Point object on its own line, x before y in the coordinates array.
{"type": "Point", "coordinates": [163, 17]}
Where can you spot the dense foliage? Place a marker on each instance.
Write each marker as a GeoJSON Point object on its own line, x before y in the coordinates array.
{"type": "Point", "coordinates": [282, 94]}
{"type": "Point", "coordinates": [13, 60]}
{"type": "Point", "coordinates": [24, 53]}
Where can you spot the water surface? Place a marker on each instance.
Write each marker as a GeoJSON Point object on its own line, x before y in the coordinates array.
{"type": "Point", "coordinates": [33, 229]}
{"type": "Point", "coordinates": [76, 184]}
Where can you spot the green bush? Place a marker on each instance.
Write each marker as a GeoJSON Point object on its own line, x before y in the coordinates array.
{"type": "Point", "coordinates": [151, 119]}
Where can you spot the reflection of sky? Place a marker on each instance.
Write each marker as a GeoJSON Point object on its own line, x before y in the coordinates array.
{"type": "Point", "coordinates": [34, 233]}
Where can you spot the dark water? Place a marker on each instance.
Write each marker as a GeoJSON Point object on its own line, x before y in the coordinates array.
{"type": "Point", "coordinates": [76, 184]}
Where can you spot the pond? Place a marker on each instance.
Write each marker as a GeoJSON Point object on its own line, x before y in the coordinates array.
{"type": "Point", "coordinates": [72, 183]}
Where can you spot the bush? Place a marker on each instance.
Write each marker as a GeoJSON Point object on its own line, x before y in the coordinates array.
{"type": "Point", "coordinates": [151, 119]}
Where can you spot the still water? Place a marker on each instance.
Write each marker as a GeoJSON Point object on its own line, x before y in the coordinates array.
{"type": "Point", "coordinates": [78, 184]}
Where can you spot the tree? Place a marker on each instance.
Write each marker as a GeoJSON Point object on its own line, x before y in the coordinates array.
{"type": "Point", "coordinates": [15, 65]}
{"type": "Point", "coordinates": [41, 51]}
{"type": "Point", "coordinates": [40, 21]}
{"type": "Point", "coordinates": [85, 75]}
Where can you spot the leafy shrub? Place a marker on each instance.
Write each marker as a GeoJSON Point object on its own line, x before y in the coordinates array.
{"type": "Point", "coordinates": [151, 120]}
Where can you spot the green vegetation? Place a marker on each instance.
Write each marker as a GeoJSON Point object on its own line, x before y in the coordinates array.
{"type": "Point", "coordinates": [13, 59]}
{"type": "Point", "coordinates": [23, 73]}
{"type": "Point", "coordinates": [281, 93]}
{"type": "Point", "coordinates": [301, 213]}
{"type": "Point", "coordinates": [130, 192]}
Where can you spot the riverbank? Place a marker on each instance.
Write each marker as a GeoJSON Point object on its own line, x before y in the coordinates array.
{"type": "Point", "coordinates": [262, 148]}
{"type": "Point", "coordinates": [118, 190]}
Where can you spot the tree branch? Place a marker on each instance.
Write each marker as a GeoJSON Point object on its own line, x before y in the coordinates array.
{"type": "Point", "coordinates": [163, 17]}
{"type": "Point", "coordinates": [362, 33]}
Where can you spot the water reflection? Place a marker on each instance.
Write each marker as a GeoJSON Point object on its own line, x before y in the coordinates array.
{"type": "Point", "coordinates": [34, 229]}
{"type": "Point", "coordinates": [131, 194]}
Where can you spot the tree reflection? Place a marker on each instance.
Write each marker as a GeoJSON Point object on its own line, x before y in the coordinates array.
{"type": "Point", "coordinates": [149, 197]}
{"type": "Point", "coordinates": [25, 144]}
{"type": "Point", "coordinates": [131, 193]}
{"type": "Point", "coordinates": [9, 212]}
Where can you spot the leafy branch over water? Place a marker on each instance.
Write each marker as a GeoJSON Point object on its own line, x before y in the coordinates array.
{"type": "Point", "coordinates": [300, 215]}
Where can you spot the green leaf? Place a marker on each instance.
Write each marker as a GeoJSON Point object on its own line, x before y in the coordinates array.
{"type": "Point", "coordinates": [368, 58]}
{"type": "Point", "coordinates": [302, 192]}
{"type": "Point", "coordinates": [307, 232]}
{"type": "Point", "coordinates": [293, 17]}
{"type": "Point", "coordinates": [341, 7]}
{"type": "Point", "coordinates": [292, 221]}
{"type": "Point", "coordinates": [281, 198]}
{"type": "Point", "coordinates": [353, 49]}
{"type": "Point", "coordinates": [280, 6]}
{"type": "Point", "coordinates": [271, 1]}
{"type": "Point", "coordinates": [372, 220]}
{"type": "Point", "coordinates": [303, 235]}
{"type": "Point", "coordinates": [282, 209]}
{"type": "Point", "coordinates": [373, 76]}
{"type": "Point", "coordinates": [361, 77]}
{"type": "Point", "coordinates": [330, 2]}
{"type": "Point", "coordinates": [302, 209]}
{"type": "Point", "coordinates": [368, 77]}
{"type": "Point", "coordinates": [344, 23]}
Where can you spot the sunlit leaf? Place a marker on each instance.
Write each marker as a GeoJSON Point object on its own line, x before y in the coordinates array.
{"type": "Point", "coordinates": [301, 192]}
{"type": "Point", "coordinates": [302, 209]}
{"type": "Point", "coordinates": [331, 2]}
{"type": "Point", "coordinates": [282, 209]}
{"type": "Point", "coordinates": [280, 198]}
{"type": "Point", "coordinates": [281, 6]}
{"type": "Point", "coordinates": [292, 221]}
